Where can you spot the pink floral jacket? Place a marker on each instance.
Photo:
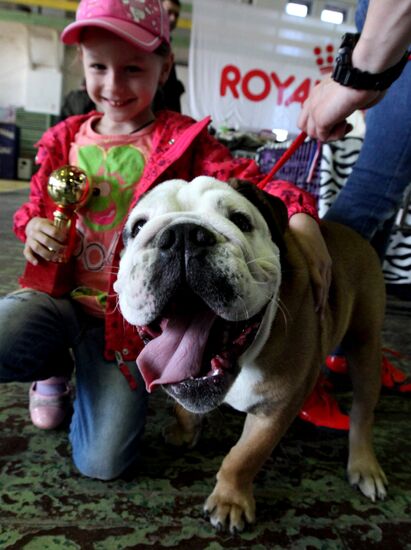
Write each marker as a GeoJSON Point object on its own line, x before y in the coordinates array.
{"type": "Point", "coordinates": [181, 148]}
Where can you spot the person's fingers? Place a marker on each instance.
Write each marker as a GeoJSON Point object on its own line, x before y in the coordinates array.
{"type": "Point", "coordinates": [337, 132]}
{"type": "Point", "coordinates": [43, 247]}
{"type": "Point", "coordinates": [38, 227]}
{"type": "Point", "coordinates": [323, 132]}
{"type": "Point", "coordinates": [29, 255]}
{"type": "Point", "coordinates": [311, 128]}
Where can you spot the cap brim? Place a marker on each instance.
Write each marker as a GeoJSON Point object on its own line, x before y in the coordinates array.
{"type": "Point", "coordinates": [136, 36]}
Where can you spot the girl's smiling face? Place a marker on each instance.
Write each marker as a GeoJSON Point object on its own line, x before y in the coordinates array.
{"type": "Point", "coordinates": [121, 79]}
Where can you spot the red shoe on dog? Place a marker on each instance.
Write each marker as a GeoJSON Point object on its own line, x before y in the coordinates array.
{"type": "Point", "coordinates": [393, 380]}
{"type": "Point", "coordinates": [322, 409]}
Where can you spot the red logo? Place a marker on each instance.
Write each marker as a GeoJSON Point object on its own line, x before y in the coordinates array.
{"type": "Point", "coordinates": [324, 58]}
{"type": "Point", "coordinates": [234, 82]}
{"type": "Point", "coordinates": [288, 90]}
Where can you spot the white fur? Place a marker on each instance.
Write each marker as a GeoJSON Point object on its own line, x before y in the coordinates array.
{"type": "Point", "coordinates": [240, 396]}
{"type": "Point", "coordinates": [250, 259]}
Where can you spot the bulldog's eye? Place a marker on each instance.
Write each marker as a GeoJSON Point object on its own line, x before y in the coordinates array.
{"type": "Point", "coordinates": [137, 225]}
{"type": "Point", "coordinates": [242, 221]}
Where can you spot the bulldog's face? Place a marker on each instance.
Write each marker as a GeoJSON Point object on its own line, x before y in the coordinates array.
{"type": "Point", "coordinates": [198, 271]}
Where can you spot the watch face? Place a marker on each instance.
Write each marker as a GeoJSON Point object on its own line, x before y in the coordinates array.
{"type": "Point", "coordinates": [343, 56]}
{"type": "Point", "coordinates": [343, 64]}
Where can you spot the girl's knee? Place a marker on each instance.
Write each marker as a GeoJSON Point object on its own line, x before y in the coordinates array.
{"type": "Point", "coordinates": [107, 466]}
{"type": "Point", "coordinates": [105, 455]}
{"type": "Point", "coordinates": [106, 427]}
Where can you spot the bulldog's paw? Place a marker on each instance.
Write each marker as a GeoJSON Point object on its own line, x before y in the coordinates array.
{"type": "Point", "coordinates": [176, 435]}
{"type": "Point", "coordinates": [369, 477]}
{"type": "Point", "coordinates": [230, 508]}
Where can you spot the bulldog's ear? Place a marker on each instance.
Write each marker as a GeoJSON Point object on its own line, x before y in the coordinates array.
{"type": "Point", "coordinates": [272, 208]}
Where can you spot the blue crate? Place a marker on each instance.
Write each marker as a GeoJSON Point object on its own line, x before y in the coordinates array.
{"type": "Point", "coordinates": [302, 168]}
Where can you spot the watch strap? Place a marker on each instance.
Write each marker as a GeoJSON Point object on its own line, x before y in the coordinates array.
{"type": "Point", "coordinates": [347, 75]}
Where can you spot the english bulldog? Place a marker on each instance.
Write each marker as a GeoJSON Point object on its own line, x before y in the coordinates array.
{"type": "Point", "coordinates": [220, 292]}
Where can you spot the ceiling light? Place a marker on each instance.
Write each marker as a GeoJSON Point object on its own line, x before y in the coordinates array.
{"type": "Point", "coordinates": [332, 16]}
{"type": "Point", "coordinates": [297, 9]}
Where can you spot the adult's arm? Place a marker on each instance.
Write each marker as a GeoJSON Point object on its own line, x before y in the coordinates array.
{"type": "Point", "coordinates": [384, 38]}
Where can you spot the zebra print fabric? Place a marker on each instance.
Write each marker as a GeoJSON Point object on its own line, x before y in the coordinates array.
{"type": "Point", "coordinates": [323, 172]}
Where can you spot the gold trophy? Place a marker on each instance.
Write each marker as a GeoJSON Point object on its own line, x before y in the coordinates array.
{"type": "Point", "coordinates": [69, 188]}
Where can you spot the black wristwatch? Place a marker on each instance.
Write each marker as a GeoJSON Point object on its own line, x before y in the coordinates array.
{"type": "Point", "coordinates": [347, 75]}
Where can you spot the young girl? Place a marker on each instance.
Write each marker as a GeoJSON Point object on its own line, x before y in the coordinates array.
{"type": "Point", "coordinates": [125, 151]}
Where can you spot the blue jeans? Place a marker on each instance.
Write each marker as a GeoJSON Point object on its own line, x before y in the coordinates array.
{"type": "Point", "coordinates": [36, 332]}
{"type": "Point", "coordinates": [369, 200]}
{"type": "Point", "coordinates": [375, 188]}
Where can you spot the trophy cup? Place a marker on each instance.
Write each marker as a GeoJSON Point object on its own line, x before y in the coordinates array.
{"type": "Point", "coordinates": [69, 189]}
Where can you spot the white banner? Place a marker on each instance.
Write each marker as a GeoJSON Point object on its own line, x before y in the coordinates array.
{"type": "Point", "coordinates": [251, 68]}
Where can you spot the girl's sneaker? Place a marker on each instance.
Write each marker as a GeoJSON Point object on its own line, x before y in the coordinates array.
{"type": "Point", "coordinates": [48, 411]}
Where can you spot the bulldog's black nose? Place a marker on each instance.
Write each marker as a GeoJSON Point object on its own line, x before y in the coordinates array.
{"type": "Point", "coordinates": [188, 236]}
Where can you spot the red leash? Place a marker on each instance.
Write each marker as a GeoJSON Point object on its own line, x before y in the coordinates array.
{"type": "Point", "coordinates": [299, 140]}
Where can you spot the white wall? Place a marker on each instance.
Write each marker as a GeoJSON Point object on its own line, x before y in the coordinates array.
{"type": "Point", "coordinates": [31, 57]}
{"type": "Point", "coordinates": [13, 64]}
{"type": "Point", "coordinates": [31, 61]}
{"type": "Point", "coordinates": [73, 71]}
{"type": "Point", "coordinates": [182, 74]}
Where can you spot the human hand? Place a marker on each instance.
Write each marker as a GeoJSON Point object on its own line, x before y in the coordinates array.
{"type": "Point", "coordinates": [44, 240]}
{"type": "Point", "coordinates": [323, 115]}
{"type": "Point", "coordinates": [308, 235]}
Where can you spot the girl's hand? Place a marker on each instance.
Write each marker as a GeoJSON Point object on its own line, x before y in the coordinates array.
{"type": "Point", "coordinates": [44, 240]}
{"type": "Point", "coordinates": [308, 234]}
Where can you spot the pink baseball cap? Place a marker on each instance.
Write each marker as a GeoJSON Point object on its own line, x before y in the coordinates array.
{"type": "Point", "coordinates": [142, 23]}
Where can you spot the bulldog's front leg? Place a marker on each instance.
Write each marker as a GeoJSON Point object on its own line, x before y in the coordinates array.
{"type": "Point", "coordinates": [185, 428]}
{"type": "Point", "coordinates": [232, 502]}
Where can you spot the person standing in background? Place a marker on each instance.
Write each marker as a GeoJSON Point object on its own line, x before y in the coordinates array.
{"type": "Point", "coordinates": [168, 96]}
{"type": "Point", "coordinates": [77, 102]}
{"type": "Point", "coordinates": [378, 80]}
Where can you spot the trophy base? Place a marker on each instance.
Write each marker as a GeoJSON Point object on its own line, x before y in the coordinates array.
{"type": "Point", "coordinates": [55, 279]}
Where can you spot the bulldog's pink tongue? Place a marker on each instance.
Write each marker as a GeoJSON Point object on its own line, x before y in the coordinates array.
{"type": "Point", "coordinates": [177, 353]}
